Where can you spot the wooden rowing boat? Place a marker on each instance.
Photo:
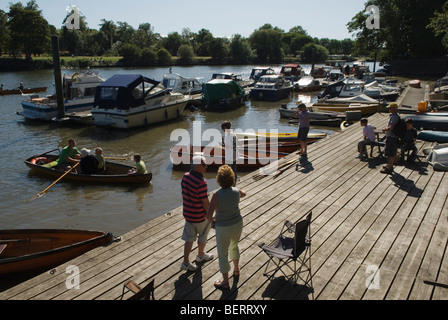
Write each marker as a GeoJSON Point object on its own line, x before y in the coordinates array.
{"type": "Point", "coordinates": [42, 249]}
{"type": "Point", "coordinates": [115, 173]}
{"type": "Point", "coordinates": [280, 137]}
{"type": "Point", "coordinates": [22, 91]}
{"type": "Point", "coordinates": [182, 157]}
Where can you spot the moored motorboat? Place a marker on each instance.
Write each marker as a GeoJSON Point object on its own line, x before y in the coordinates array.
{"type": "Point", "coordinates": [223, 95]}
{"type": "Point", "coordinates": [307, 84]}
{"type": "Point", "coordinates": [79, 92]}
{"type": "Point", "coordinates": [115, 173]}
{"type": "Point", "coordinates": [128, 101]}
{"type": "Point", "coordinates": [271, 88]}
{"type": "Point", "coordinates": [235, 77]}
{"type": "Point", "coordinates": [43, 249]}
{"type": "Point", "coordinates": [185, 85]}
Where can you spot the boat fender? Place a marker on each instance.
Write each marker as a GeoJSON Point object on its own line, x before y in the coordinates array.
{"type": "Point", "coordinates": [178, 113]}
{"type": "Point", "coordinates": [192, 108]}
{"type": "Point", "coordinates": [39, 161]}
{"type": "Point", "coordinates": [166, 114]}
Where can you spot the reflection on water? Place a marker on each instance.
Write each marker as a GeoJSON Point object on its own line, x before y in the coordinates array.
{"type": "Point", "coordinates": [113, 208]}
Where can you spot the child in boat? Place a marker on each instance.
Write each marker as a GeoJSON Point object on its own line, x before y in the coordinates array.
{"type": "Point", "coordinates": [368, 133]}
{"type": "Point", "coordinates": [100, 158]}
{"type": "Point", "coordinates": [140, 167]}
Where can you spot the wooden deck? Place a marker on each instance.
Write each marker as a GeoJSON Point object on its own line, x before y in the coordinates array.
{"type": "Point", "coordinates": [363, 221]}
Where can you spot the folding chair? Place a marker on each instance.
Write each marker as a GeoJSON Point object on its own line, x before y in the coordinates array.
{"type": "Point", "coordinates": [145, 293]}
{"type": "Point", "coordinates": [292, 253]}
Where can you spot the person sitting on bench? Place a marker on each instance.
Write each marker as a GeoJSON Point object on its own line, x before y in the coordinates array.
{"type": "Point", "coordinates": [368, 133]}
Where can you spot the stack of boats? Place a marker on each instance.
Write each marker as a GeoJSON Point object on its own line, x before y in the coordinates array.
{"type": "Point", "coordinates": [255, 150]}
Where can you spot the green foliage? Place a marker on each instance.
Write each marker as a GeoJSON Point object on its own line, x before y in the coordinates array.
{"type": "Point", "coordinates": [314, 53]}
{"type": "Point", "coordinates": [403, 29]}
{"type": "Point", "coordinates": [185, 54]}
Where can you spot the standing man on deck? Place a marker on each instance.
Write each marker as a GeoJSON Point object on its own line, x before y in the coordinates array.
{"type": "Point", "coordinates": [195, 207]}
{"type": "Point", "coordinates": [230, 147]}
{"type": "Point", "coordinates": [304, 128]}
{"type": "Point", "coordinates": [390, 150]}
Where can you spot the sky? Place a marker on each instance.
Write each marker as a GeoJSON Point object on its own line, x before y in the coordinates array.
{"type": "Point", "coordinates": [223, 18]}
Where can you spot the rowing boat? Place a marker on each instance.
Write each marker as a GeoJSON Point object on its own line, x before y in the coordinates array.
{"type": "Point", "coordinates": [115, 173]}
{"type": "Point", "coordinates": [288, 136]}
{"type": "Point", "coordinates": [182, 156]}
{"type": "Point", "coordinates": [43, 249]}
{"type": "Point", "coordinates": [22, 91]}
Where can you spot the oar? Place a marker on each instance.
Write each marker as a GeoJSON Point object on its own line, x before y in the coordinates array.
{"type": "Point", "coordinates": [279, 172]}
{"type": "Point", "coordinates": [42, 192]}
{"type": "Point", "coordinates": [270, 169]}
{"type": "Point", "coordinates": [117, 158]}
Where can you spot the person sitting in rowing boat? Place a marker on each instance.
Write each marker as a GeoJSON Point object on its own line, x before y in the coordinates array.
{"type": "Point", "coordinates": [2, 88]}
{"type": "Point", "coordinates": [69, 156]}
{"type": "Point", "coordinates": [21, 86]}
{"type": "Point", "coordinates": [100, 158]}
{"type": "Point", "coordinates": [140, 167]}
{"type": "Point", "coordinates": [368, 133]}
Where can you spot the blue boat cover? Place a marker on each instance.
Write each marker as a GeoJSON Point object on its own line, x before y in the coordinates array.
{"type": "Point", "coordinates": [121, 92]}
{"type": "Point", "coordinates": [126, 81]}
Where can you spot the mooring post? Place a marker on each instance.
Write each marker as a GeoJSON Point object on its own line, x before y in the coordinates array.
{"type": "Point", "coordinates": [57, 76]}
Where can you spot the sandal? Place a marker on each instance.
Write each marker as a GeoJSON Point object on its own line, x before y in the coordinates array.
{"type": "Point", "coordinates": [219, 285]}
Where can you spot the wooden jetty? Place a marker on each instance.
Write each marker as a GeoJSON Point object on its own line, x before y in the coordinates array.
{"type": "Point", "coordinates": [367, 227]}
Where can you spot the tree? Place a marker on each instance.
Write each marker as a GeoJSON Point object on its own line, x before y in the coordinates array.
{"type": "Point", "coordinates": [109, 29]}
{"type": "Point", "coordinates": [402, 31]}
{"type": "Point", "coordinates": [26, 21]}
{"type": "Point", "coordinates": [185, 54]}
{"type": "Point", "coordinates": [163, 56]}
{"type": "Point", "coordinates": [219, 49]}
{"type": "Point", "coordinates": [439, 24]}
{"type": "Point", "coordinates": [172, 42]}
{"type": "Point", "coordinates": [239, 50]}
{"type": "Point", "coordinates": [314, 53]}
{"type": "Point", "coordinates": [4, 32]}
{"type": "Point", "coordinates": [201, 42]}
{"type": "Point", "coordinates": [267, 42]}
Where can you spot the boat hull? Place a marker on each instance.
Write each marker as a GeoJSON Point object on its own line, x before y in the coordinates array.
{"type": "Point", "coordinates": [33, 109]}
{"type": "Point", "coordinates": [182, 157]}
{"type": "Point", "coordinates": [433, 136]}
{"type": "Point", "coordinates": [115, 173]}
{"type": "Point", "coordinates": [269, 95]}
{"type": "Point", "coordinates": [40, 249]}
{"type": "Point", "coordinates": [139, 116]}
{"type": "Point", "coordinates": [366, 109]}
{"type": "Point", "coordinates": [429, 122]}
{"type": "Point", "coordinates": [22, 91]}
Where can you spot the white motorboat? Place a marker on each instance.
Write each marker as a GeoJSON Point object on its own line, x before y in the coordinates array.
{"type": "Point", "coordinates": [185, 85]}
{"type": "Point", "coordinates": [131, 101]}
{"type": "Point", "coordinates": [235, 77]}
{"type": "Point", "coordinates": [271, 88]}
{"type": "Point", "coordinates": [79, 93]}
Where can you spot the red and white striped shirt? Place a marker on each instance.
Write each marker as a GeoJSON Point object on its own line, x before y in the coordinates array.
{"type": "Point", "coordinates": [194, 190]}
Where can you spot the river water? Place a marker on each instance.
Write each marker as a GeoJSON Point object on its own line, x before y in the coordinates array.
{"type": "Point", "coordinates": [112, 208]}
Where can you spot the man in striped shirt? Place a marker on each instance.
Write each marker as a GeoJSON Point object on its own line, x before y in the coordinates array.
{"type": "Point", "coordinates": [195, 207]}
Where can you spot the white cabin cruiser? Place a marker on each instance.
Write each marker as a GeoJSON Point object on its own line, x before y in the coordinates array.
{"type": "Point", "coordinates": [79, 94]}
{"type": "Point", "coordinates": [131, 101]}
